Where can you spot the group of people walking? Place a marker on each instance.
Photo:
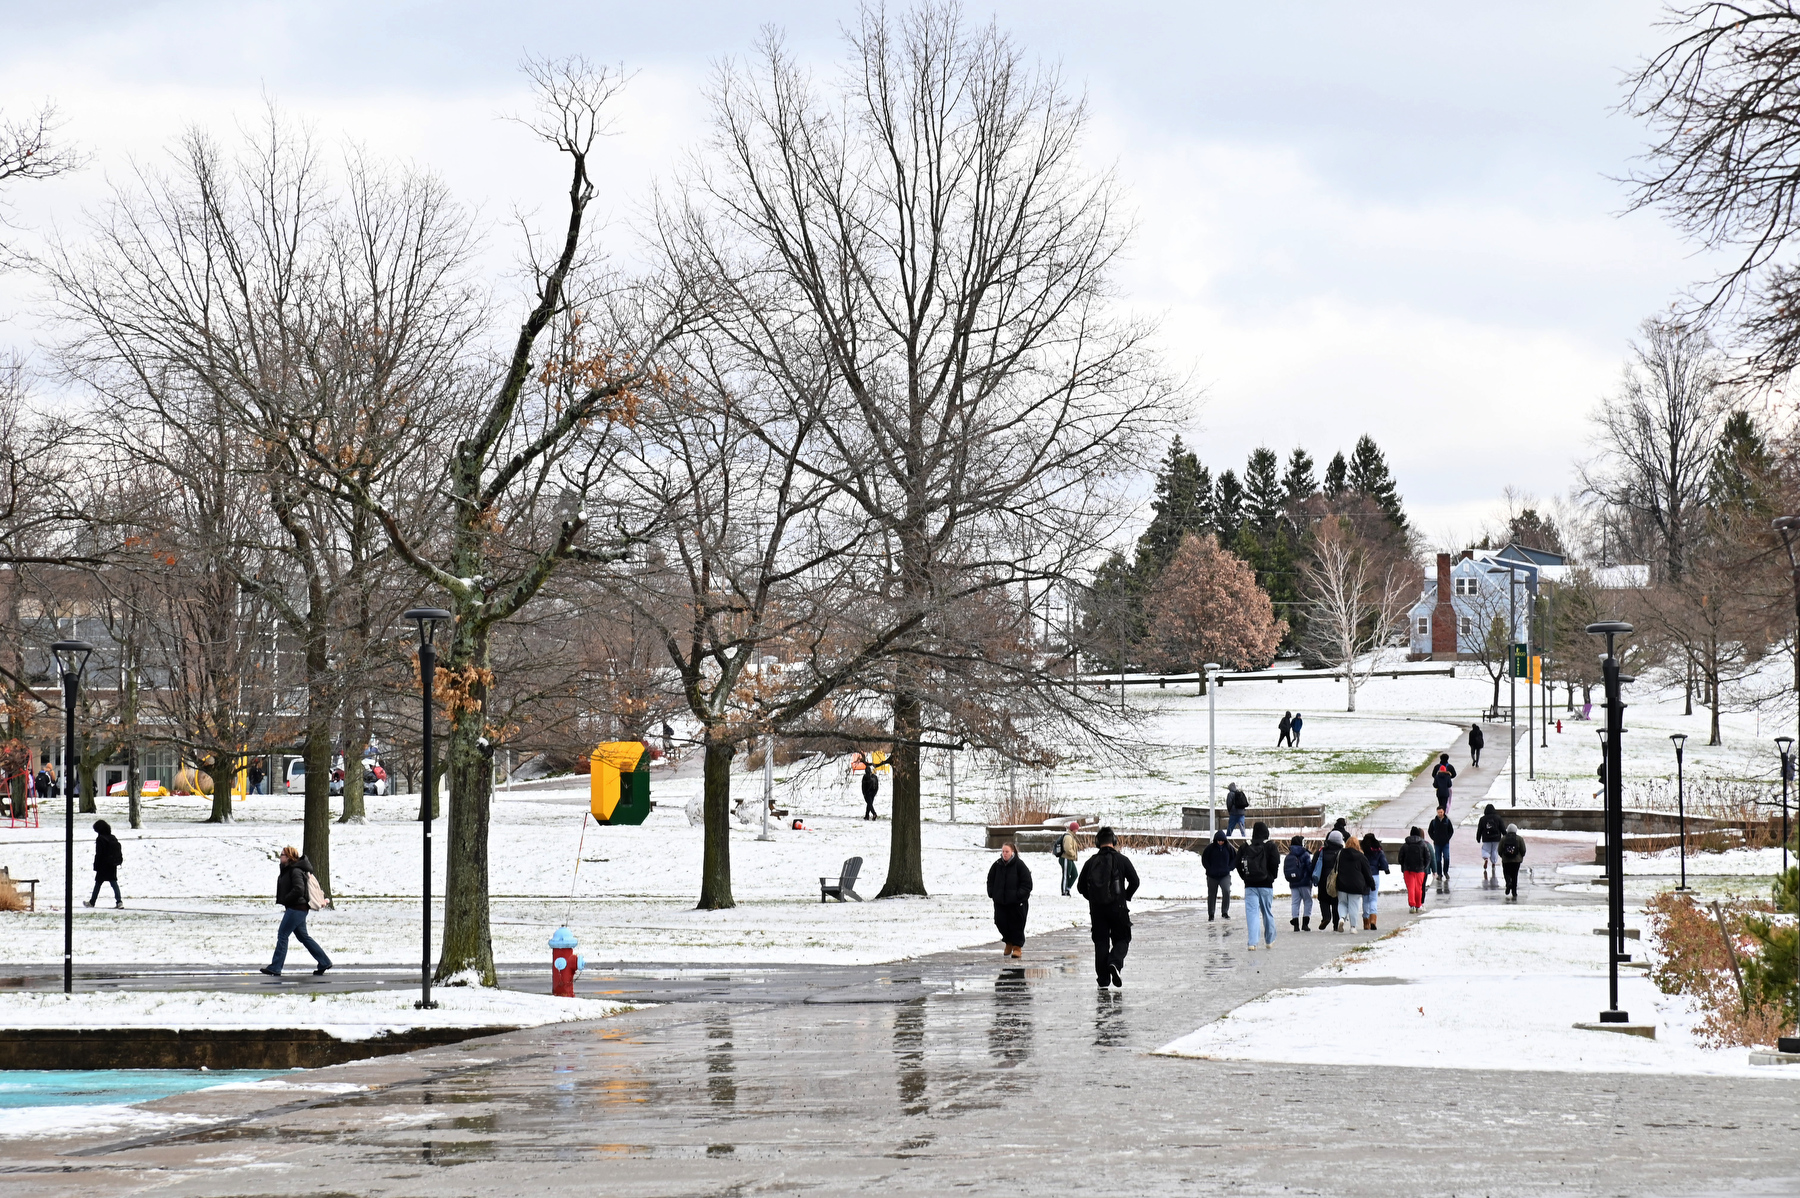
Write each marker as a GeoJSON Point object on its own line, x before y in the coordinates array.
{"type": "Point", "coordinates": [1108, 881]}
{"type": "Point", "coordinates": [1287, 732]}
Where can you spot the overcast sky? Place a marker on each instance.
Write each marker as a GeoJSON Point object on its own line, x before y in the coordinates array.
{"type": "Point", "coordinates": [1393, 218]}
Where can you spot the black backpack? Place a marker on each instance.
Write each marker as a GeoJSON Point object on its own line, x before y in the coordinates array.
{"type": "Point", "coordinates": [1298, 868]}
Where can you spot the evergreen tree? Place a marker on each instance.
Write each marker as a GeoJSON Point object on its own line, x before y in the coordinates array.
{"type": "Point", "coordinates": [1741, 467]}
{"type": "Point", "coordinates": [1228, 505]}
{"type": "Point", "coordinates": [1280, 577]}
{"type": "Point", "coordinates": [1112, 615]}
{"type": "Point", "coordinates": [1369, 477]}
{"type": "Point", "coordinates": [1262, 492]}
{"type": "Point", "coordinates": [1183, 504]}
{"type": "Point", "coordinates": [1335, 477]}
{"type": "Point", "coordinates": [1298, 484]}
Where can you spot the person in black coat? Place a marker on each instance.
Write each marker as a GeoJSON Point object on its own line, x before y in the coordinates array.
{"type": "Point", "coordinates": [1512, 855]}
{"type": "Point", "coordinates": [1443, 775]}
{"type": "Point", "coordinates": [1009, 885]}
{"type": "Point", "coordinates": [1324, 865]}
{"type": "Point", "coordinates": [1353, 882]}
{"type": "Point", "coordinates": [1476, 741]}
{"type": "Point", "coordinates": [1285, 729]}
{"type": "Point", "coordinates": [1440, 830]}
{"type": "Point", "coordinates": [293, 893]}
{"type": "Point", "coordinates": [108, 856]}
{"type": "Point", "coordinates": [871, 786]}
{"type": "Point", "coordinates": [1488, 832]}
{"type": "Point", "coordinates": [1218, 859]}
{"type": "Point", "coordinates": [1236, 803]}
{"type": "Point", "coordinates": [1107, 882]}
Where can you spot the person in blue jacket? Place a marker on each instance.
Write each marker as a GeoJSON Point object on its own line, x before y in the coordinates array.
{"type": "Point", "coordinates": [1219, 860]}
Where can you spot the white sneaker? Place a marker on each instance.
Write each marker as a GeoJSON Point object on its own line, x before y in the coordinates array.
{"type": "Point", "coordinates": [1252, 948]}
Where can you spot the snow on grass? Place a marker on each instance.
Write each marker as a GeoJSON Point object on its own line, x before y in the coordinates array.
{"type": "Point", "coordinates": [345, 1016]}
{"type": "Point", "coordinates": [1481, 988]}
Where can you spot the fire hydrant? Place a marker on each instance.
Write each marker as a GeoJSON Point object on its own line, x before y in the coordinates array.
{"type": "Point", "coordinates": [563, 963]}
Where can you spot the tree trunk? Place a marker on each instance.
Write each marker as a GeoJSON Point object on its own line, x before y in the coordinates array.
{"type": "Point", "coordinates": [1687, 690]}
{"type": "Point", "coordinates": [218, 768]}
{"type": "Point", "coordinates": [88, 767]}
{"type": "Point", "coordinates": [906, 859]}
{"type": "Point", "coordinates": [353, 767]}
{"type": "Point", "coordinates": [468, 938]}
{"type": "Point", "coordinates": [715, 861]}
{"type": "Point", "coordinates": [134, 786]}
{"type": "Point", "coordinates": [317, 808]}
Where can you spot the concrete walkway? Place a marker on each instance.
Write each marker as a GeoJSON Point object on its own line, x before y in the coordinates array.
{"type": "Point", "coordinates": [1417, 804]}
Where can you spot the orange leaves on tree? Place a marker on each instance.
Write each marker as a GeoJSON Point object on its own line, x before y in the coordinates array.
{"type": "Point", "coordinates": [1206, 606]}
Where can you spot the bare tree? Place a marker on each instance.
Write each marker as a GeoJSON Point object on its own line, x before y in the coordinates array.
{"type": "Point", "coordinates": [928, 226]}
{"type": "Point", "coordinates": [1357, 595]}
{"type": "Point", "coordinates": [1657, 439]}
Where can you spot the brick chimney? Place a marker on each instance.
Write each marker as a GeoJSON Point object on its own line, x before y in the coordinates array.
{"type": "Point", "coordinates": [1443, 616]}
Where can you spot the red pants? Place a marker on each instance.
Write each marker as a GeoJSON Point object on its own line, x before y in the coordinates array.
{"type": "Point", "coordinates": [1415, 889]}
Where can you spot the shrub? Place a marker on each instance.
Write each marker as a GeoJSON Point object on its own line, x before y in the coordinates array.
{"type": "Point", "coordinates": [1692, 960]}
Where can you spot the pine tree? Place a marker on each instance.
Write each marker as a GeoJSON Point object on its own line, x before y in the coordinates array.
{"type": "Point", "coordinates": [1335, 480]}
{"type": "Point", "coordinates": [1262, 492]}
{"type": "Point", "coordinates": [1298, 484]}
{"type": "Point", "coordinates": [1369, 477]}
{"type": "Point", "coordinates": [1228, 505]}
{"type": "Point", "coordinates": [1112, 615]}
{"type": "Point", "coordinates": [1183, 504]}
{"type": "Point", "coordinates": [1741, 467]}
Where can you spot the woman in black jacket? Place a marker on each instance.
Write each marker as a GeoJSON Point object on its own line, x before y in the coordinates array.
{"type": "Point", "coordinates": [1378, 864]}
{"type": "Point", "coordinates": [1512, 855]}
{"type": "Point", "coordinates": [108, 856]}
{"type": "Point", "coordinates": [1324, 866]}
{"type": "Point", "coordinates": [1009, 885]}
{"type": "Point", "coordinates": [1353, 882]}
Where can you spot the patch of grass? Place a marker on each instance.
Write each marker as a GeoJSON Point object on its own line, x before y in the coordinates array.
{"type": "Point", "coordinates": [1350, 763]}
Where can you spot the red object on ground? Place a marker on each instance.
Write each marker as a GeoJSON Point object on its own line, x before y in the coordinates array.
{"type": "Point", "coordinates": [799, 825]}
{"type": "Point", "coordinates": [562, 973]}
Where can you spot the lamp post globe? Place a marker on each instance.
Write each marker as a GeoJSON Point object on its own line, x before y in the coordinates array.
{"type": "Point", "coordinates": [427, 619]}
{"type": "Point", "coordinates": [71, 662]}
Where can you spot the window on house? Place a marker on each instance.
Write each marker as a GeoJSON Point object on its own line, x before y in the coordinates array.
{"type": "Point", "coordinates": [1424, 626]}
{"type": "Point", "coordinates": [1464, 586]}
{"type": "Point", "coordinates": [1468, 626]}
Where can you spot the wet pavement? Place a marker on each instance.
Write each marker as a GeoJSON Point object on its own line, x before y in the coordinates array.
{"type": "Point", "coordinates": [953, 1073]}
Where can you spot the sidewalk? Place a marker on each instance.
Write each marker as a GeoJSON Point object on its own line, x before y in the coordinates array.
{"type": "Point", "coordinates": [1417, 804]}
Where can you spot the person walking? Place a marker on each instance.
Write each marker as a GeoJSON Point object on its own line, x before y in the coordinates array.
{"type": "Point", "coordinates": [1488, 833]}
{"type": "Point", "coordinates": [108, 856]}
{"type": "Point", "coordinates": [45, 782]}
{"type": "Point", "coordinates": [1218, 859]}
{"type": "Point", "coordinates": [1353, 882]}
{"type": "Point", "coordinates": [1512, 854]}
{"type": "Point", "coordinates": [293, 890]}
{"type": "Point", "coordinates": [1107, 882]}
{"type": "Point", "coordinates": [1476, 741]}
{"type": "Point", "coordinates": [1236, 803]}
{"type": "Point", "coordinates": [1325, 877]}
{"type": "Point", "coordinates": [1258, 866]}
{"type": "Point", "coordinates": [255, 775]}
{"type": "Point", "coordinates": [1009, 886]}
{"type": "Point", "coordinates": [1441, 829]}
{"type": "Point", "coordinates": [1294, 729]}
{"type": "Point", "coordinates": [1285, 730]}
{"type": "Point", "coordinates": [871, 786]}
{"type": "Point", "coordinates": [1415, 863]}
{"type": "Point", "coordinates": [1068, 851]}
{"type": "Point", "coordinates": [1297, 867]}
{"type": "Point", "coordinates": [1378, 864]}
{"type": "Point", "coordinates": [1443, 776]}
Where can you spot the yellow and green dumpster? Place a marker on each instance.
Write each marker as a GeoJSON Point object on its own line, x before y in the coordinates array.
{"type": "Point", "coordinates": [619, 782]}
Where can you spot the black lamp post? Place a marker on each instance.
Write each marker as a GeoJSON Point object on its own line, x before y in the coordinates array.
{"type": "Point", "coordinates": [428, 618]}
{"type": "Point", "coordinates": [1786, 745]}
{"type": "Point", "coordinates": [1615, 815]}
{"type": "Point", "coordinates": [71, 661]}
{"type": "Point", "coordinates": [1679, 739]}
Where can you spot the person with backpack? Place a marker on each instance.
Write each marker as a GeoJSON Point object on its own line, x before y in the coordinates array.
{"type": "Point", "coordinates": [1218, 859]}
{"type": "Point", "coordinates": [1009, 886]}
{"type": "Point", "coordinates": [1284, 731]}
{"type": "Point", "coordinates": [1441, 829]}
{"type": "Point", "coordinates": [45, 782]}
{"type": "Point", "coordinates": [1415, 863]}
{"type": "Point", "coordinates": [108, 856]}
{"type": "Point", "coordinates": [1236, 803]}
{"type": "Point", "coordinates": [1067, 850]}
{"type": "Point", "coordinates": [871, 786]}
{"type": "Point", "coordinates": [1512, 855]}
{"type": "Point", "coordinates": [1294, 729]}
{"type": "Point", "coordinates": [1325, 877]}
{"type": "Point", "coordinates": [1476, 741]}
{"type": "Point", "coordinates": [1378, 864]}
{"type": "Point", "coordinates": [1443, 774]}
{"type": "Point", "coordinates": [1353, 881]}
{"type": "Point", "coordinates": [1488, 833]}
{"type": "Point", "coordinates": [1258, 866]}
{"type": "Point", "coordinates": [1108, 881]}
{"type": "Point", "coordinates": [298, 892]}
{"type": "Point", "coordinates": [1296, 867]}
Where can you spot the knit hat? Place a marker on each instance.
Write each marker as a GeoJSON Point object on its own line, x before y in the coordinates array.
{"type": "Point", "coordinates": [1336, 838]}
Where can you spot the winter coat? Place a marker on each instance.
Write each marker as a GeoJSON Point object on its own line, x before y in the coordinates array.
{"type": "Point", "coordinates": [1108, 879]}
{"type": "Point", "coordinates": [44, 784]}
{"type": "Point", "coordinates": [290, 887]}
{"type": "Point", "coordinates": [1219, 858]}
{"type": "Point", "coordinates": [1287, 722]}
{"type": "Point", "coordinates": [1295, 726]}
{"type": "Point", "coordinates": [1259, 864]}
{"type": "Point", "coordinates": [1325, 862]}
{"type": "Point", "coordinates": [1353, 876]}
{"type": "Point", "coordinates": [1490, 828]}
{"type": "Point", "coordinates": [1071, 848]}
{"type": "Point", "coordinates": [1442, 775]}
{"type": "Point", "coordinates": [1441, 829]}
{"type": "Point", "coordinates": [1415, 855]}
{"type": "Point", "coordinates": [1512, 848]}
{"type": "Point", "coordinates": [1378, 862]}
{"type": "Point", "coordinates": [870, 783]}
{"type": "Point", "coordinates": [1009, 882]}
{"type": "Point", "coordinates": [1476, 739]}
{"type": "Point", "coordinates": [108, 856]}
{"type": "Point", "coordinates": [1297, 866]}
{"type": "Point", "coordinates": [1236, 800]}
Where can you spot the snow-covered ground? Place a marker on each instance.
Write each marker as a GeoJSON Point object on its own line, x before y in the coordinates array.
{"type": "Point", "coordinates": [1470, 988]}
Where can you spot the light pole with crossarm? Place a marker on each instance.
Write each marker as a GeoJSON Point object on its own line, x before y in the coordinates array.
{"type": "Point", "coordinates": [427, 618]}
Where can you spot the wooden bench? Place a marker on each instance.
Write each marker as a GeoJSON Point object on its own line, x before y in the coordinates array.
{"type": "Point", "coordinates": [843, 884]}
{"type": "Point", "coordinates": [17, 882]}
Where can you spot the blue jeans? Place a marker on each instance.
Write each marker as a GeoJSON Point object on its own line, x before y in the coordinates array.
{"type": "Point", "coordinates": [293, 923]}
{"type": "Point", "coordinates": [1371, 899]}
{"type": "Point", "coordinates": [1234, 822]}
{"type": "Point", "coordinates": [1440, 860]}
{"type": "Point", "coordinates": [1259, 913]}
{"type": "Point", "coordinates": [1301, 902]}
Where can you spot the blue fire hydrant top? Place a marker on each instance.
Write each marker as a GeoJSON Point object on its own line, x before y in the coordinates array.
{"type": "Point", "coordinates": [562, 938]}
